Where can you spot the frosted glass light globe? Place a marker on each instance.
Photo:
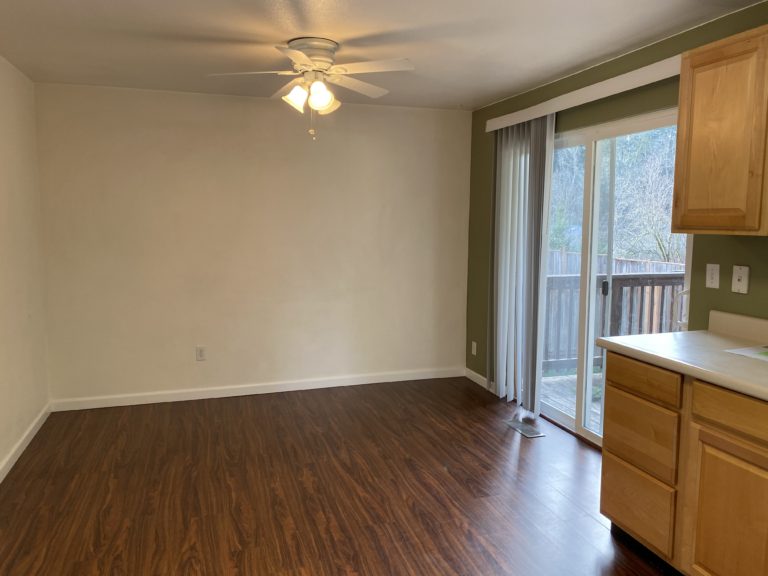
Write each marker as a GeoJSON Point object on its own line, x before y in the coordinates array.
{"type": "Point", "coordinates": [296, 98]}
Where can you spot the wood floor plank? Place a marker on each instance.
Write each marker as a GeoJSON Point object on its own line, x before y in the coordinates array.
{"type": "Point", "coordinates": [411, 478]}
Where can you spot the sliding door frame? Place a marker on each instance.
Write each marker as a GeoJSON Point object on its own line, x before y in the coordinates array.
{"type": "Point", "coordinates": [588, 137]}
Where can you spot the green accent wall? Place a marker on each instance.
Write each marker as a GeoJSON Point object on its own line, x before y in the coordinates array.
{"type": "Point", "coordinates": [728, 251]}
{"type": "Point", "coordinates": [723, 250]}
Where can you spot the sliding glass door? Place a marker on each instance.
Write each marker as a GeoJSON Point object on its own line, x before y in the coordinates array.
{"type": "Point", "coordinates": [612, 265]}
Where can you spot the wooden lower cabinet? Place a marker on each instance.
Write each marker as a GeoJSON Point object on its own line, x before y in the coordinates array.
{"type": "Point", "coordinates": [690, 484]}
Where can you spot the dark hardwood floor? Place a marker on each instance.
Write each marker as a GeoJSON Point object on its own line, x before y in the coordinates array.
{"type": "Point", "coordinates": [407, 478]}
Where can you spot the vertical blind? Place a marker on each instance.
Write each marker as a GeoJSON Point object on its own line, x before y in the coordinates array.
{"type": "Point", "coordinates": [523, 164]}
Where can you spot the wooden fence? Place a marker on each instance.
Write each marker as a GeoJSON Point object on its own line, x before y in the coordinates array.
{"type": "Point", "coordinates": [560, 262]}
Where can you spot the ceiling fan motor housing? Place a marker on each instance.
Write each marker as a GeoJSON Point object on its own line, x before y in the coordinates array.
{"type": "Point", "coordinates": [320, 50]}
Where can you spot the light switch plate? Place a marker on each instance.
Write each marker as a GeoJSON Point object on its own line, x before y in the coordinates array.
{"type": "Point", "coordinates": [740, 283]}
{"type": "Point", "coordinates": [713, 275]}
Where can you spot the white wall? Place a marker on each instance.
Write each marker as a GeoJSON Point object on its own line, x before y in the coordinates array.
{"type": "Point", "coordinates": [23, 389]}
{"type": "Point", "coordinates": [174, 220]}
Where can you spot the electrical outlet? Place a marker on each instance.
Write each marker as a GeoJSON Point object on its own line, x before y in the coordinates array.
{"type": "Point", "coordinates": [740, 283]}
{"type": "Point", "coordinates": [200, 353]}
{"type": "Point", "coordinates": [474, 348]}
{"type": "Point", "coordinates": [713, 275]}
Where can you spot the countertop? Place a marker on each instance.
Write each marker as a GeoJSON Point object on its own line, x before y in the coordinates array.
{"type": "Point", "coordinates": [701, 354]}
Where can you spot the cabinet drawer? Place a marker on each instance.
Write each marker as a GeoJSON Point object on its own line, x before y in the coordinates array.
{"type": "Point", "coordinates": [638, 503]}
{"type": "Point", "coordinates": [642, 433]}
{"type": "Point", "coordinates": [740, 413]}
{"type": "Point", "coordinates": [651, 382]}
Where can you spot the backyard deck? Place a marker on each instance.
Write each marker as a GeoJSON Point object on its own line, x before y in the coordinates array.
{"type": "Point", "coordinates": [560, 392]}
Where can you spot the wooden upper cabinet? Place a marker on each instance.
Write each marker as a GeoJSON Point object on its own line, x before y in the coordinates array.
{"type": "Point", "coordinates": [721, 185]}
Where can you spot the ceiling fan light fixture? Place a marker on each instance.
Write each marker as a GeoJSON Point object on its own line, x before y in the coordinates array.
{"type": "Point", "coordinates": [320, 98]}
{"type": "Point", "coordinates": [297, 97]}
{"type": "Point", "coordinates": [313, 61]}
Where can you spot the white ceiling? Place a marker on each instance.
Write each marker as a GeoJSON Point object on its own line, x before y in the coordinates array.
{"type": "Point", "coordinates": [467, 53]}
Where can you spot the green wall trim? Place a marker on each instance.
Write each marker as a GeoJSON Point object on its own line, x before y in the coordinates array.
{"type": "Point", "coordinates": [648, 98]}
{"type": "Point", "coordinates": [657, 96]}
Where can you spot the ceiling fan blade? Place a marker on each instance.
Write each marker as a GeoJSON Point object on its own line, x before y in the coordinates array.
{"type": "Point", "coordinates": [296, 56]}
{"type": "Point", "coordinates": [287, 88]}
{"type": "Point", "coordinates": [397, 65]}
{"type": "Point", "coordinates": [278, 72]}
{"type": "Point", "coordinates": [358, 86]}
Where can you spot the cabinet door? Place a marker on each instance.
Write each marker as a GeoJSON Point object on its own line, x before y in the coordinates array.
{"type": "Point", "coordinates": [732, 510]}
{"type": "Point", "coordinates": [720, 159]}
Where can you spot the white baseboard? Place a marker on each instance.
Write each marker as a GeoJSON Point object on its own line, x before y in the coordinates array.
{"type": "Point", "coordinates": [7, 463]}
{"type": "Point", "coordinates": [479, 379]}
{"type": "Point", "coordinates": [64, 404]}
{"type": "Point", "coordinates": [476, 378]}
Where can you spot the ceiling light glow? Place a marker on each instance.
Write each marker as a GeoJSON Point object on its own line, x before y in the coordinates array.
{"type": "Point", "coordinates": [320, 98]}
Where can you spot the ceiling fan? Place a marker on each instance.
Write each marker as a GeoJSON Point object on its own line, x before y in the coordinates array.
{"type": "Point", "coordinates": [313, 65]}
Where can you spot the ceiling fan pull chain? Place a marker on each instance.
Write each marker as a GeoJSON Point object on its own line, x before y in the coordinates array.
{"type": "Point", "coordinates": [312, 131]}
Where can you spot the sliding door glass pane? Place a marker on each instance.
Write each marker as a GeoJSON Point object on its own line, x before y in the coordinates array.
{"type": "Point", "coordinates": [602, 273]}
{"type": "Point", "coordinates": [638, 265]}
{"type": "Point", "coordinates": [561, 302]}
